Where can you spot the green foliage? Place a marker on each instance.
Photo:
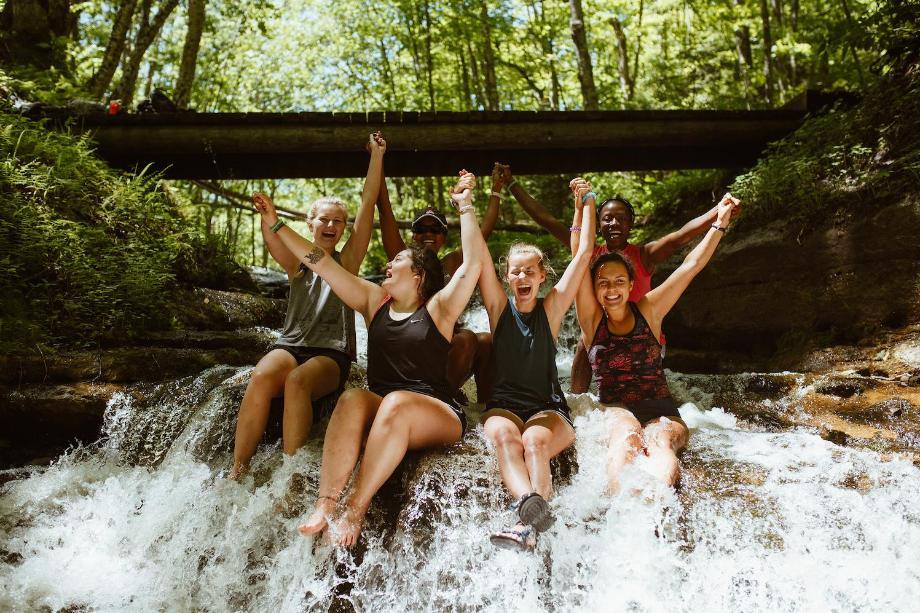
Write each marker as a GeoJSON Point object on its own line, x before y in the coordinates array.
{"type": "Point", "coordinates": [86, 253]}
{"type": "Point", "coordinates": [844, 161]}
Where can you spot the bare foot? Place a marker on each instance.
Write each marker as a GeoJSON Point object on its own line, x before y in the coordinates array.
{"type": "Point", "coordinates": [317, 522]}
{"type": "Point", "coordinates": [348, 527]}
{"type": "Point", "coordinates": [237, 472]}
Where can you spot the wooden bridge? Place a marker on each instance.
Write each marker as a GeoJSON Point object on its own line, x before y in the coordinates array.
{"type": "Point", "coordinates": [278, 145]}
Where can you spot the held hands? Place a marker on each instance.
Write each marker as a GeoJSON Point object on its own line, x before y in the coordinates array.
{"type": "Point", "coordinates": [462, 193]}
{"type": "Point", "coordinates": [265, 206]}
{"type": "Point", "coordinates": [375, 143]}
{"type": "Point", "coordinates": [497, 174]}
{"type": "Point", "coordinates": [580, 188]}
{"type": "Point", "coordinates": [507, 179]}
{"type": "Point", "coordinates": [726, 207]}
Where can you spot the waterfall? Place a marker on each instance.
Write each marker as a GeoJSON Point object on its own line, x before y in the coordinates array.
{"type": "Point", "coordinates": [767, 517]}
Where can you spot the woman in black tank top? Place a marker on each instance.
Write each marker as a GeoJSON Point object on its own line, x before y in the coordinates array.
{"type": "Point", "coordinates": [623, 346]}
{"type": "Point", "coordinates": [410, 318]}
{"type": "Point", "coordinates": [527, 419]}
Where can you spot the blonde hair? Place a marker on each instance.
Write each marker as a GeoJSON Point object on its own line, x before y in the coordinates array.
{"type": "Point", "coordinates": [527, 249]}
{"type": "Point", "coordinates": [327, 200]}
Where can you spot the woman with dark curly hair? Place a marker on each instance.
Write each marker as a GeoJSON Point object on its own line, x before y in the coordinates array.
{"type": "Point", "coordinates": [410, 404]}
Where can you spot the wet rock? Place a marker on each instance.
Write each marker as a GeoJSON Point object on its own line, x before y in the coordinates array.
{"type": "Point", "coordinates": [209, 309]}
{"type": "Point", "coordinates": [841, 389]}
{"type": "Point", "coordinates": [835, 436]}
{"type": "Point", "coordinates": [776, 299]}
{"type": "Point", "coordinates": [271, 283]}
{"type": "Point", "coordinates": [893, 407]}
{"type": "Point", "coordinates": [123, 365]}
{"type": "Point", "coordinates": [768, 385]}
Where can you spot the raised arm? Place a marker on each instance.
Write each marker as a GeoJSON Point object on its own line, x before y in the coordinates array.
{"type": "Point", "coordinates": [659, 250]}
{"type": "Point", "coordinates": [559, 299]}
{"type": "Point", "coordinates": [658, 302]}
{"type": "Point", "coordinates": [447, 305]}
{"type": "Point", "coordinates": [533, 208]}
{"type": "Point", "coordinates": [495, 198]}
{"type": "Point", "coordinates": [389, 232]}
{"type": "Point", "coordinates": [363, 296]}
{"type": "Point", "coordinates": [493, 294]}
{"type": "Point", "coordinates": [356, 246]}
{"type": "Point", "coordinates": [287, 260]}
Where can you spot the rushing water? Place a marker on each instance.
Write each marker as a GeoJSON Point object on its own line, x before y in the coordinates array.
{"type": "Point", "coordinates": [766, 518]}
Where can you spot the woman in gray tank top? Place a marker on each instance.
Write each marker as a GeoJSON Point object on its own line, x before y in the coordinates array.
{"type": "Point", "coordinates": [527, 419]}
{"type": "Point", "coordinates": [312, 357]}
{"type": "Point", "coordinates": [408, 413]}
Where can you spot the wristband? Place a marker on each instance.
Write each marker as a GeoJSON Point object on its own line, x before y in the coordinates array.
{"type": "Point", "coordinates": [497, 195]}
{"type": "Point", "coordinates": [718, 227]}
{"type": "Point", "coordinates": [510, 185]}
{"type": "Point", "coordinates": [277, 225]}
{"type": "Point", "coordinates": [464, 209]}
{"type": "Point", "coordinates": [575, 229]}
{"type": "Point", "coordinates": [584, 199]}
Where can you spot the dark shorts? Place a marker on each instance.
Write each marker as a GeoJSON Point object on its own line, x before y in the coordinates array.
{"type": "Point", "coordinates": [302, 354]}
{"type": "Point", "coordinates": [647, 410]}
{"type": "Point", "coordinates": [526, 414]}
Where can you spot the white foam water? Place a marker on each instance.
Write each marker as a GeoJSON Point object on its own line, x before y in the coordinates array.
{"type": "Point", "coordinates": [777, 520]}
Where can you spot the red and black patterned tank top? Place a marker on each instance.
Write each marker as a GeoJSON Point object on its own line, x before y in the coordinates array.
{"type": "Point", "coordinates": [628, 368]}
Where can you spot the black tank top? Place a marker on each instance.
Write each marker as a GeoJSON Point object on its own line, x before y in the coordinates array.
{"type": "Point", "coordinates": [525, 361]}
{"type": "Point", "coordinates": [408, 354]}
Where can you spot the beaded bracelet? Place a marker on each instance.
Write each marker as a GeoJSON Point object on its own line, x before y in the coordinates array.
{"type": "Point", "coordinates": [497, 195]}
{"type": "Point", "coordinates": [584, 199]}
{"type": "Point", "coordinates": [277, 225]}
{"type": "Point", "coordinates": [575, 229]}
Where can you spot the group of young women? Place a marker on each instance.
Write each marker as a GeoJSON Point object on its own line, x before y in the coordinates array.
{"type": "Point", "coordinates": [417, 356]}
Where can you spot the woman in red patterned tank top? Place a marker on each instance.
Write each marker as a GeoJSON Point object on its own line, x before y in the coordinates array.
{"type": "Point", "coordinates": [625, 352]}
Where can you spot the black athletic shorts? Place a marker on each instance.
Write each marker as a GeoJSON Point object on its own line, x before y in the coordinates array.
{"type": "Point", "coordinates": [302, 354]}
{"type": "Point", "coordinates": [647, 410]}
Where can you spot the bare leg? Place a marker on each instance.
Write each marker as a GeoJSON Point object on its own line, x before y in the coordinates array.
{"type": "Point", "coordinates": [581, 370]}
{"type": "Point", "coordinates": [266, 381]}
{"type": "Point", "coordinates": [505, 435]}
{"type": "Point", "coordinates": [545, 436]}
{"type": "Point", "coordinates": [664, 437]}
{"type": "Point", "coordinates": [461, 356]}
{"type": "Point", "coordinates": [308, 382]}
{"type": "Point", "coordinates": [624, 445]}
{"type": "Point", "coordinates": [405, 420]}
{"type": "Point", "coordinates": [347, 429]}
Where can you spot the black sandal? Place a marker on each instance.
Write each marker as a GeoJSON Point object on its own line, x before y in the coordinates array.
{"type": "Point", "coordinates": [534, 511]}
{"type": "Point", "coordinates": [518, 538]}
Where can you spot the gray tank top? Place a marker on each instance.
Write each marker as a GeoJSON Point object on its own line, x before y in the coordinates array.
{"type": "Point", "coordinates": [316, 317]}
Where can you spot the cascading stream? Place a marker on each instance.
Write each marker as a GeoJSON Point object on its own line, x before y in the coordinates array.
{"type": "Point", "coordinates": [766, 518]}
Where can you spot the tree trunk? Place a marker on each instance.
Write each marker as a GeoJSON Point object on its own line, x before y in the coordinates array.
{"type": "Point", "coordinates": [477, 81]}
{"type": "Point", "coordinates": [145, 37]}
{"type": "Point", "coordinates": [635, 69]}
{"type": "Point", "coordinates": [745, 59]}
{"type": "Point", "coordinates": [622, 60]}
{"type": "Point", "coordinates": [429, 62]}
{"type": "Point", "coordinates": [488, 58]}
{"type": "Point", "coordinates": [183, 91]}
{"type": "Point", "coordinates": [28, 29]}
{"type": "Point", "coordinates": [585, 72]}
{"type": "Point", "coordinates": [767, 53]}
{"type": "Point", "coordinates": [114, 49]}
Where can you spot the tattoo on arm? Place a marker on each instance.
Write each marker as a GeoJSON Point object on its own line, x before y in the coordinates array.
{"type": "Point", "coordinates": [314, 256]}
